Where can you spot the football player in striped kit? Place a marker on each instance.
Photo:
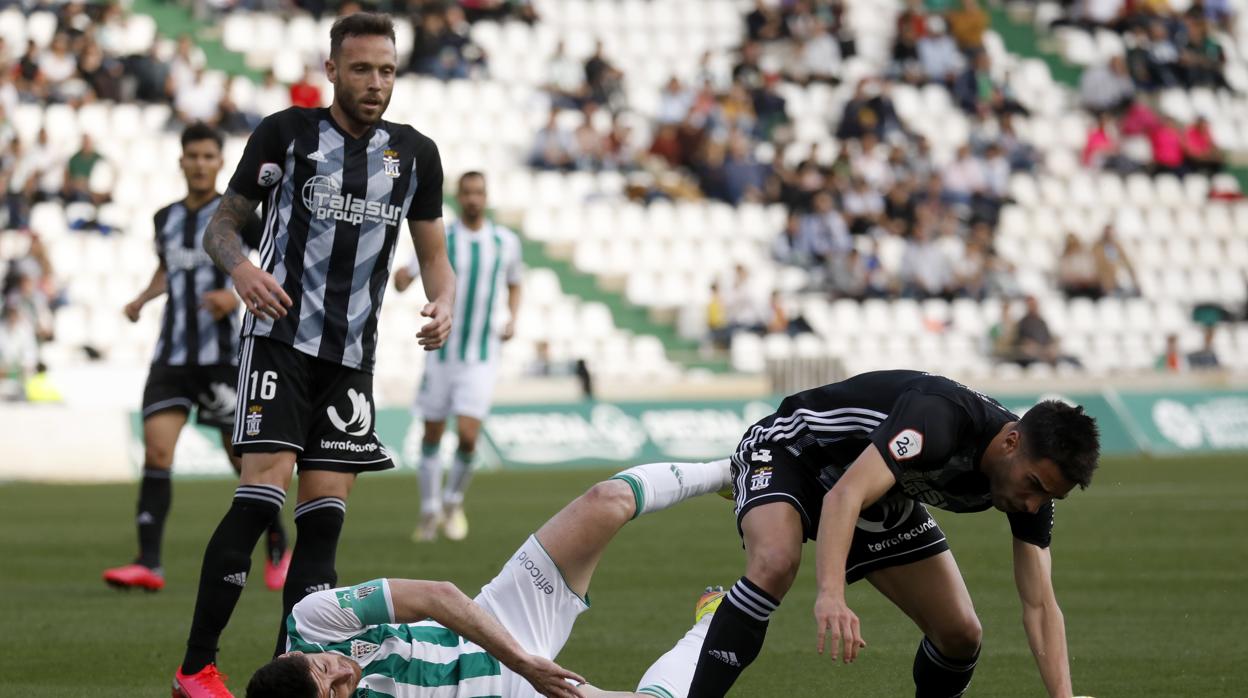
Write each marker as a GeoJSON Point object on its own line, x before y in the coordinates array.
{"type": "Point", "coordinates": [195, 364]}
{"type": "Point", "coordinates": [459, 378]}
{"type": "Point", "coordinates": [337, 184]}
{"type": "Point", "coordinates": [853, 465]}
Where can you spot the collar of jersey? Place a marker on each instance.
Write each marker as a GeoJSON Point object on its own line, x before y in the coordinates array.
{"type": "Point", "coordinates": [329, 116]}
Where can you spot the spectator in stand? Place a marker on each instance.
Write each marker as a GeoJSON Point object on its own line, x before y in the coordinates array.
{"type": "Point", "coordinates": [307, 92]}
{"type": "Point", "coordinates": [59, 66]}
{"type": "Point", "coordinates": [188, 60]}
{"type": "Point", "coordinates": [553, 147]}
{"type": "Point", "coordinates": [1217, 12]}
{"type": "Point", "coordinates": [742, 305]}
{"type": "Point", "coordinates": [1163, 57]}
{"type": "Point", "coordinates": [818, 57]}
{"type": "Point", "coordinates": [962, 179]}
{"type": "Point", "coordinates": [498, 10]}
{"type": "Point", "coordinates": [849, 276]}
{"type": "Point", "coordinates": [565, 79]}
{"type": "Point", "coordinates": [441, 47]}
{"type": "Point", "coordinates": [719, 331]}
{"type": "Point", "coordinates": [863, 206]}
{"type": "Point", "coordinates": [771, 112]}
{"type": "Point", "coordinates": [1106, 87]}
{"type": "Point", "coordinates": [603, 80]}
{"type": "Point", "coordinates": [1167, 145]}
{"type": "Point", "coordinates": [1200, 153]}
{"type": "Point", "coordinates": [967, 25]}
{"type": "Point", "coordinates": [905, 65]}
{"type": "Point", "coordinates": [78, 173]}
{"type": "Point", "coordinates": [1113, 266]}
{"type": "Point", "coordinates": [588, 145]}
{"type": "Point", "coordinates": [970, 271]}
{"type": "Point", "coordinates": [810, 238]}
{"type": "Point", "coordinates": [1172, 359]}
{"type": "Point", "coordinates": [1077, 273]}
{"type": "Point", "coordinates": [1034, 342]}
{"type": "Point", "coordinates": [19, 352]}
{"type": "Point", "coordinates": [781, 321]}
{"type": "Point", "coordinates": [748, 69]}
{"type": "Point", "coordinates": [199, 99]}
{"type": "Point", "coordinates": [1201, 56]}
{"type": "Point", "coordinates": [102, 74]}
{"type": "Point", "coordinates": [1205, 358]}
{"type": "Point", "coordinates": [1003, 334]}
{"type": "Point", "coordinates": [744, 177]}
{"type": "Point", "coordinates": [939, 56]}
{"type": "Point", "coordinates": [925, 271]}
{"type": "Point", "coordinates": [674, 102]}
{"type": "Point", "coordinates": [1101, 149]}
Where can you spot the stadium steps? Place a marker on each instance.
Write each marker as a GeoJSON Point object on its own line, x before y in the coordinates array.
{"type": "Point", "coordinates": [627, 316]}
{"type": "Point", "coordinates": [1013, 22]}
{"type": "Point", "coordinates": [174, 20]}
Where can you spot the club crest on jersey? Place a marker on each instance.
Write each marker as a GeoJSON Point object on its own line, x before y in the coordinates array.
{"type": "Point", "coordinates": [760, 478]}
{"type": "Point", "coordinates": [390, 163]}
{"type": "Point", "coordinates": [906, 445]}
{"type": "Point", "coordinates": [251, 421]}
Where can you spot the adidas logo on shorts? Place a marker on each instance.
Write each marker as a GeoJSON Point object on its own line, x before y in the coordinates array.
{"type": "Point", "coordinates": [238, 578]}
{"type": "Point", "coordinates": [729, 658]}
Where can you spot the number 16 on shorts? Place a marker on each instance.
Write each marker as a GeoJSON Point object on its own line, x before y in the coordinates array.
{"type": "Point", "coordinates": [264, 385]}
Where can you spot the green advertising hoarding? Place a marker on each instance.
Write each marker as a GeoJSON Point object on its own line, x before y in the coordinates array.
{"type": "Point", "coordinates": [624, 433]}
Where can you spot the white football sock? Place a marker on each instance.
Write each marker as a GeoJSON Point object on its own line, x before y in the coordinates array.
{"type": "Point", "coordinates": [457, 479]}
{"type": "Point", "coordinates": [672, 674]}
{"type": "Point", "coordinates": [657, 486]}
{"type": "Point", "coordinates": [430, 481]}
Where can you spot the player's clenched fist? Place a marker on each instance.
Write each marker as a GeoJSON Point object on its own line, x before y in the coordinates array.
{"type": "Point", "coordinates": [838, 628]}
{"type": "Point", "coordinates": [434, 333]}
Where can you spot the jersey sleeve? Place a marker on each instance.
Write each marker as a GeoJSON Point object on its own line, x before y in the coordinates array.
{"type": "Point", "coordinates": [260, 168]}
{"type": "Point", "coordinates": [336, 615]}
{"type": "Point", "coordinates": [158, 224]}
{"type": "Point", "coordinates": [427, 202]}
{"type": "Point", "coordinates": [515, 260]}
{"type": "Point", "coordinates": [252, 231]}
{"type": "Point", "coordinates": [1036, 528]}
{"type": "Point", "coordinates": [920, 432]}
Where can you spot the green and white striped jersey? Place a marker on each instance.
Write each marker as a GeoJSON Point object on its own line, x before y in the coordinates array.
{"type": "Point", "coordinates": [486, 262]}
{"type": "Point", "coordinates": [398, 660]}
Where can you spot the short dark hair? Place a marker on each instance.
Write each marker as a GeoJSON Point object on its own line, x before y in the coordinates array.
{"type": "Point", "coordinates": [199, 131]}
{"type": "Point", "coordinates": [285, 677]}
{"type": "Point", "coordinates": [469, 175]}
{"type": "Point", "coordinates": [359, 24]}
{"type": "Point", "coordinates": [1064, 434]}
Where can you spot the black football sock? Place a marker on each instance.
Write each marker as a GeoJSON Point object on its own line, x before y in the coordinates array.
{"type": "Point", "coordinates": [227, 560]}
{"type": "Point", "coordinates": [317, 525]}
{"type": "Point", "coordinates": [276, 541]}
{"type": "Point", "coordinates": [155, 495]}
{"type": "Point", "coordinates": [938, 676]}
{"type": "Point", "coordinates": [733, 640]}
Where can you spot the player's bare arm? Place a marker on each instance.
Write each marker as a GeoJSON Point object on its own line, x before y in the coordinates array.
{"type": "Point", "coordinates": [865, 481]}
{"type": "Point", "coordinates": [513, 306]}
{"type": "Point", "coordinates": [259, 291]}
{"type": "Point", "coordinates": [155, 288]}
{"type": "Point", "coordinates": [417, 600]}
{"type": "Point", "coordinates": [1042, 618]}
{"type": "Point", "coordinates": [438, 278]}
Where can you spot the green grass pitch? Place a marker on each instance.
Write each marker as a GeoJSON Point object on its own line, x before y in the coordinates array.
{"type": "Point", "coordinates": [1151, 569]}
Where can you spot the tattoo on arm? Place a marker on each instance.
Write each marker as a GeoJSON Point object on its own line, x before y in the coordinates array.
{"type": "Point", "coordinates": [222, 241]}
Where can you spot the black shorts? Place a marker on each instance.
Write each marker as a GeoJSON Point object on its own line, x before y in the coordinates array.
{"type": "Point", "coordinates": [894, 531]}
{"type": "Point", "coordinates": [290, 401]}
{"type": "Point", "coordinates": [208, 389]}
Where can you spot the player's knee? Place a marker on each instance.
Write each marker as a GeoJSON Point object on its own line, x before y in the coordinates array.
{"type": "Point", "coordinates": [159, 457]}
{"type": "Point", "coordinates": [611, 496]}
{"type": "Point", "coordinates": [774, 569]}
{"type": "Point", "coordinates": [962, 639]}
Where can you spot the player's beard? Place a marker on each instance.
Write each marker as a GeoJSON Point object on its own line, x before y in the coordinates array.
{"type": "Point", "coordinates": [353, 107]}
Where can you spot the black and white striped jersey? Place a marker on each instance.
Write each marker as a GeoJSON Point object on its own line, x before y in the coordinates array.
{"type": "Point", "coordinates": [930, 430]}
{"type": "Point", "coordinates": [333, 206]}
{"type": "Point", "coordinates": [188, 334]}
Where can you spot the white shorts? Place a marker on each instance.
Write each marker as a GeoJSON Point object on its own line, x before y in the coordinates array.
{"type": "Point", "coordinates": [454, 388]}
{"type": "Point", "coordinates": [533, 602]}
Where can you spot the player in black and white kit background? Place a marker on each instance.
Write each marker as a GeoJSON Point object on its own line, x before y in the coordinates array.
{"type": "Point", "coordinates": [853, 464]}
{"type": "Point", "coordinates": [195, 364]}
{"type": "Point", "coordinates": [336, 184]}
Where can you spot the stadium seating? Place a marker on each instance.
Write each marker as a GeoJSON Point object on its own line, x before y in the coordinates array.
{"type": "Point", "coordinates": [1186, 248]}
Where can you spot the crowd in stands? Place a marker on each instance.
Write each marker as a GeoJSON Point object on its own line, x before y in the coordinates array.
{"type": "Point", "coordinates": [29, 296]}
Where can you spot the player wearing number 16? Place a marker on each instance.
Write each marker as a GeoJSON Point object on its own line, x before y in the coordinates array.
{"type": "Point", "coordinates": [336, 185]}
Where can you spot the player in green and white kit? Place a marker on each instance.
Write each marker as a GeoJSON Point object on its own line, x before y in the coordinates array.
{"type": "Point", "coordinates": [459, 378]}
{"type": "Point", "coordinates": [416, 639]}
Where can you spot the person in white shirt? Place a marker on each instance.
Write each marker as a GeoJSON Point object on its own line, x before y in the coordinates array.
{"type": "Point", "coordinates": [459, 378]}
